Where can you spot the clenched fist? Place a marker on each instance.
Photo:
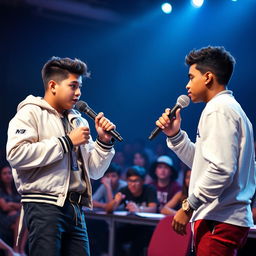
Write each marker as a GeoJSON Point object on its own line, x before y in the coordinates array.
{"type": "Point", "coordinates": [80, 135]}
{"type": "Point", "coordinates": [103, 125]}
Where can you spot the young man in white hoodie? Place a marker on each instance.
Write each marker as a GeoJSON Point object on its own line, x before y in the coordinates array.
{"type": "Point", "coordinates": [222, 159]}
{"type": "Point", "coordinates": [53, 158]}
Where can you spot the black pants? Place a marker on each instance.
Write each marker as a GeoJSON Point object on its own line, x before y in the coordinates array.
{"type": "Point", "coordinates": [56, 231]}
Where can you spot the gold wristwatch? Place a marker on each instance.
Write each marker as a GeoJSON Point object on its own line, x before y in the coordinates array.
{"type": "Point", "coordinates": [186, 206]}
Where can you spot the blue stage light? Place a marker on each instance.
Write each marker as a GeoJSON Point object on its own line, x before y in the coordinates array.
{"type": "Point", "coordinates": [197, 3]}
{"type": "Point", "coordinates": [166, 8]}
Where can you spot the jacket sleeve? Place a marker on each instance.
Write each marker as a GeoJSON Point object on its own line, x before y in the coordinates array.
{"type": "Point", "coordinates": [97, 155]}
{"type": "Point", "coordinates": [183, 147]}
{"type": "Point", "coordinates": [24, 150]}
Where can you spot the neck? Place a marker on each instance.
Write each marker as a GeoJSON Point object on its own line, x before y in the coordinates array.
{"type": "Point", "coordinates": [48, 98]}
{"type": "Point", "coordinates": [214, 90]}
{"type": "Point", "coordinates": [163, 182]}
{"type": "Point", "coordinates": [8, 188]}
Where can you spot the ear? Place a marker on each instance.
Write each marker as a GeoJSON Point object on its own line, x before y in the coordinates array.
{"type": "Point", "coordinates": [208, 78]}
{"type": "Point", "coordinates": [52, 86]}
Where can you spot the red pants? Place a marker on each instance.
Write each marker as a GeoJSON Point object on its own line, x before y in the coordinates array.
{"type": "Point", "coordinates": [214, 238]}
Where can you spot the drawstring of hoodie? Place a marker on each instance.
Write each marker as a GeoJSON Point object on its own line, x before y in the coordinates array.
{"type": "Point", "coordinates": [76, 208]}
{"type": "Point", "coordinates": [77, 213]}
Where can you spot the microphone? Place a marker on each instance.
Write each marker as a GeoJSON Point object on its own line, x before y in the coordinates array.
{"type": "Point", "coordinates": [83, 107]}
{"type": "Point", "coordinates": [182, 102]}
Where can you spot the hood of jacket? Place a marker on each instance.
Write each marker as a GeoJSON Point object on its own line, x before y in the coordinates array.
{"type": "Point", "coordinates": [38, 101]}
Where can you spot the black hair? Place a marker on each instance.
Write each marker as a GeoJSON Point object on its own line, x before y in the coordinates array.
{"type": "Point", "coordinates": [58, 69]}
{"type": "Point", "coordinates": [136, 170]}
{"type": "Point", "coordinates": [2, 185]}
{"type": "Point", "coordinates": [214, 59]}
{"type": "Point", "coordinates": [144, 155]}
{"type": "Point", "coordinates": [113, 167]}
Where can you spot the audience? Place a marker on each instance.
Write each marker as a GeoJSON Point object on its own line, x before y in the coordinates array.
{"type": "Point", "coordinates": [135, 197]}
{"type": "Point", "coordinates": [140, 158]}
{"type": "Point", "coordinates": [164, 175]}
{"type": "Point", "coordinates": [139, 145]}
{"type": "Point", "coordinates": [111, 184]}
{"type": "Point", "coordinates": [175, 203]}
{"type": "Point", "coordinates": [119, 159]}
{"type": "Point", "coordinates": [10, 211]}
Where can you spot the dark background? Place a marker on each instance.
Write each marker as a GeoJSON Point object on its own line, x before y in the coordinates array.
{"type": "Point", "coordinates": [134, 51]}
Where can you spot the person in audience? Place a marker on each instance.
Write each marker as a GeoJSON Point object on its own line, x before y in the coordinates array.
{"type": "Point", "coordinates": [135, 197]}
{"type": "Point", "coordinates": [111, 184]}
{"type": "Point", "coordinates": [164, 175]}
{"type": "Point", "coordinates": [10, 211]}
{"type": "Point", "coordinates": [170, 208]}
{"type": "Point", "coordinates": [98, 229]}
{"type": "Point", "coordinates": [139, 145]}
{"type": "Point", "coordinates": [119, 158]}
{"type": "Point", "coordinates": [140, 158]}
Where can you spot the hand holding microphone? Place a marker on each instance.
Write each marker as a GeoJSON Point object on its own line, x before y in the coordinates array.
{"type": "Point", "coordinates": [166, 123]}
{"type": "Point", "coordinates": [103, 125]}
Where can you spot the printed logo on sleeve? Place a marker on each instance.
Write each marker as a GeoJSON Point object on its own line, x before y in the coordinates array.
{"type": "Point", "coordinates": [20, 131]}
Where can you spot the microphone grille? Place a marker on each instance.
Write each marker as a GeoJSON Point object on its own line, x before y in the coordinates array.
{"type": "Point", "coordinates": [81, 106]}
{"type": "Point", "coordinates": [183, 101]}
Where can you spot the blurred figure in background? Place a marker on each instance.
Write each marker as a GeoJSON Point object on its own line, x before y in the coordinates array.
{"type": "Point", "coordinates": [10, 211]}
{"type": "Point", "coordinates": [119, 159]}
{"type": "Point", "coordinates": [139, 145]}
{"type": "Point", "coordinates": [140, 158]}
{"type": "Point", "coordinates": [164, 175]}
{"type": "Point", "coordinates": [98, 229]}
{"type": "Point", "coordinates": [171, 207]}
{"type": "Point", "coordinates": [111, 184]}
{"type": "Point", "coordinates": [135, 197]}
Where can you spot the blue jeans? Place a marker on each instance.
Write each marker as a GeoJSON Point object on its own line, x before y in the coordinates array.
{"type": "Point", "coordinates": [56, 231]}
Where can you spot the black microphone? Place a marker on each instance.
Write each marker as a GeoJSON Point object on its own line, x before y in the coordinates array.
{"type": "Point", "coordinates": [83, 107]}
{"type": "Point", "coordinates": [182, 102]}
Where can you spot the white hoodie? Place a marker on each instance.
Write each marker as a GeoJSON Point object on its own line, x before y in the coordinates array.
{"type": "Point", "coordinates": [38, 152]}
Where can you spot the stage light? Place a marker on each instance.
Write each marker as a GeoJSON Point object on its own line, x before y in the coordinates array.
{"type": "Point", "coordinates": [166, 8]}
{"type": "Point", "coordinates": [197, 3]}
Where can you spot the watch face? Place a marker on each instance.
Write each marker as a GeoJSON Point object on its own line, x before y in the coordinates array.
{"type": "Point", "coordinates": [185, 205]}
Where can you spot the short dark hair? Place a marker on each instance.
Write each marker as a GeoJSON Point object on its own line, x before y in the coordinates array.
{"type": "Point", "coordinates": [59, 69]}
{"type": "Point", "coordinates": [136, 170]}
{"type": "Point", "coordinates": [214, 59]}
{"type": "Point", "coordinates": [113, 167]}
